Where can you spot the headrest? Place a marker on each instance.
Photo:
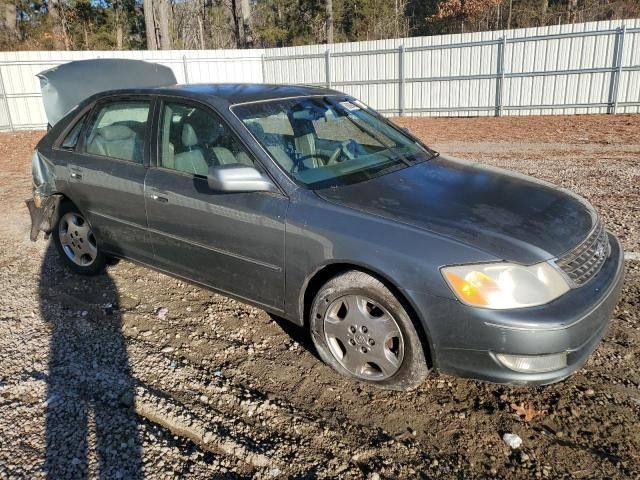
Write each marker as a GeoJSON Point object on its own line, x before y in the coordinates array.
{"type": "Point", "coordinates": [116, 132]}
{"type": "Point", "coordinates": [189, 137]}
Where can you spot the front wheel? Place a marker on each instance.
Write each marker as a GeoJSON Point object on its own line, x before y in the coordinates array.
{"type": "Point", "coordinates": [361, 329]}
{"type": "Point", "coordinates": [76, 243]}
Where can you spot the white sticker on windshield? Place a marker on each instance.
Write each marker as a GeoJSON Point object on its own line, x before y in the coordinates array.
{"type": "Point", "coordinates": [349, 106]}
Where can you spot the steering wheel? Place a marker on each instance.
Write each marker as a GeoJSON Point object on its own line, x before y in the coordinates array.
{"type": "Point", "coordinates": [298, 162]}
{"type": "Point", "coordinates": [343, 150]}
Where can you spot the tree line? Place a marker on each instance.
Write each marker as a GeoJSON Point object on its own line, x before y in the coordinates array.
{"type": "Point", "coordinates": [214, 24]}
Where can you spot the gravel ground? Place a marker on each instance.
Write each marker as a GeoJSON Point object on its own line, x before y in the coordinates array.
{"type": "Point", "coordinates": [135, 374]}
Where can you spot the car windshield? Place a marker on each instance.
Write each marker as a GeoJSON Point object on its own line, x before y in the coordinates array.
{"type": "Point", "coordinates": [329, 141]}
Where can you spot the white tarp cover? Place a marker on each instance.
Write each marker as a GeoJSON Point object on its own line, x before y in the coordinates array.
{"type": "Point", "coordinates": [64, 86]}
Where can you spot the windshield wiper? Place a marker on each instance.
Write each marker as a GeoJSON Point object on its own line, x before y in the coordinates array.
{"type": "Point", "coordinates": [429, 155]}
{"type": "Point", "coordinates": [389, 169]}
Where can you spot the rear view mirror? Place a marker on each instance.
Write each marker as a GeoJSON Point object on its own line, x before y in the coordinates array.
{"type": "Point", "coordinates": [238, 178]}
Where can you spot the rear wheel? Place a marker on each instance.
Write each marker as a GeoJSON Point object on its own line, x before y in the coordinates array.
{"type": "Point", "coordinates": [76, 242]}
{"type": "Point", "coordinates": [361, 329]}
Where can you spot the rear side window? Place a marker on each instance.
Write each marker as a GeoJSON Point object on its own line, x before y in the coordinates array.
{"type": "Point", "coordinates": [71, 140]}
{"type": "Point", "coordinates": [118, 131]}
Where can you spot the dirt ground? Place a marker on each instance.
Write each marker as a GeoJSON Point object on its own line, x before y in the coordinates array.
{"type": "Point", "coordinates": [135, 374]}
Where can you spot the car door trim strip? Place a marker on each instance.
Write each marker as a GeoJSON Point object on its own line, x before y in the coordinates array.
{"type": "Point", "coordinates": [270, 266]}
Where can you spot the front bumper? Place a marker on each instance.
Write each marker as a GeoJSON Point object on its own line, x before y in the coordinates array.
{"type": "Point", "coordinates": [464, 340]}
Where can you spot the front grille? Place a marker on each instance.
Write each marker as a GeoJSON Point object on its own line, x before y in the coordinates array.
{"type": "Point", "coordinates": [583, 262]}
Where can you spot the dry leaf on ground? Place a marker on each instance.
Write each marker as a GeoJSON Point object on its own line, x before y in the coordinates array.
{"type": "Point", "coordinates": [527, 412]}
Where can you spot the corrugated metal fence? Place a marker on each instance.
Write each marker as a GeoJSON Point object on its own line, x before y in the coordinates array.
{"type": "Point", "coordinates": [21, 105]}
{"type": "Point", "coordinates": [566, 69]}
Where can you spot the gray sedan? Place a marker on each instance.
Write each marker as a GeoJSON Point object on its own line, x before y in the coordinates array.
{"type": "Point", "coordinates": [309, 204]}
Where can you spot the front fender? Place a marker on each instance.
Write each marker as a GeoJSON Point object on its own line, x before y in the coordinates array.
{"type": "Point", "coordinates": [320, 233]}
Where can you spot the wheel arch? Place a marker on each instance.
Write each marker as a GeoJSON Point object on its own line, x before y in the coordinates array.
{"type": "Point", "coordinates": [65, 198]}
{"type": "Point", "coordinates": [326, 272]}
{"type": "Point", "coordinates": [60, 198]}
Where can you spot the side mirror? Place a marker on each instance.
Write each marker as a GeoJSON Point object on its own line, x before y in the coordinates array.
{"type": "Point", "coordinates": [238, 178]}
{"type": "Point", "coordinates": [405, 130]}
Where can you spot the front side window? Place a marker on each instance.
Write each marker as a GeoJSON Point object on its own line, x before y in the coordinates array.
{"type": "Point", "coordinates": [193, 138]}
{"type": "Point", "coordinates": [118, 130]}
{"type": "Point", "coordinates": [329, 141]}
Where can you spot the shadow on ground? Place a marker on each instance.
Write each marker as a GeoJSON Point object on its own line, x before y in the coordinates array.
{"type": "Point", "coordinates": [91, 425]}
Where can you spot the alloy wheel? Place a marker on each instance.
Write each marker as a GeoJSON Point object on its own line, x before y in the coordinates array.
{"type": "Point", "coordinates": [77, 240]}
{"type": "Point", "coordinates": [363, 337]}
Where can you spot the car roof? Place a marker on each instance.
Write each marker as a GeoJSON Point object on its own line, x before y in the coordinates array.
{"type": "Point", "coordinates": [233, 93]}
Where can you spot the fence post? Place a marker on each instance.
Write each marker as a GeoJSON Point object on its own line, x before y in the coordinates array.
{"type": "Point", "coordinates": [618, 50]}
{"type": "Point", "coordinates": [3, 91]}
{"type": "Point", "coordinates": [264, 68]}
{"type": "Point", "coordinates": [500, 75]}
{"type": "Point", "coordinates": [184, 67]}
{"type": "Point", "coordinates": [401, 80]}
{"type": "Point", "coordinates": [327, 66]}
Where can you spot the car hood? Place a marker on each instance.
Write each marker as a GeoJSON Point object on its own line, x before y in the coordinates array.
{"type": "Point", "coordinates": [509, 215]}
{"type": "Point", "coordinates": [64, 86]}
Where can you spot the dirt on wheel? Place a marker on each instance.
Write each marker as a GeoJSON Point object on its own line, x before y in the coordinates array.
{"type": "Point", "coordinates": [134, 373]}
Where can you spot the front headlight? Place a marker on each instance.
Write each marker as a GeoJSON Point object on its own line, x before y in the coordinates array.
{"type": "Point", "coordinates": [505, 285]}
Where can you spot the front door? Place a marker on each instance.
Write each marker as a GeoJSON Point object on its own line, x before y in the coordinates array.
{"type": "Point", "coordinates": [107, 171]}
{"type": "Point", "coordinates": [233, 242]}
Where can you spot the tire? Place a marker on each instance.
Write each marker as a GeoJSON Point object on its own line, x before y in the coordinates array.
{"type": "Point", "coordinates": [76, 243]}
{"type": "Point", "coordinates": [362, 330]}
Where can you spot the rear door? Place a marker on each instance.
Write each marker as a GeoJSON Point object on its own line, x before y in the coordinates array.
{"type": "Point", "coordinates": [107, 168]}
{"type": "Point", "coordinates": [233, 242]}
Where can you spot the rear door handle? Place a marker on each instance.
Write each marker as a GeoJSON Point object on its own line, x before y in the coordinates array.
{"type": "Point", "coordinates": [76, 172]}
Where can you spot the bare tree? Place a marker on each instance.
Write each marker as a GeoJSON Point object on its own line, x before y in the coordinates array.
{"type": "Point", "coordinates": [150, 25]}
{"type": "Point", "coordinates": [200, 33]}
{"type": "Point", "coordinates": [119, 18]}
{"type": "Point", "coordinates": [329, 13]}
{"type": "Point", "coordinates": [221, 28]}
{"type": "Point", "coordinates": [236, 23]}
{"type": "Point", "coordinates": [245, 10]}
{"type": "Point", "coordinates": [8, 18]}
{"type": "Point", "coordinates": [164, 14]}
{"type": "Point", "coordinates": [188, 24]}
{"type": "Point", "coordinates": [60, 37]}
{"type": "Point", "coordinates": [572, 8]}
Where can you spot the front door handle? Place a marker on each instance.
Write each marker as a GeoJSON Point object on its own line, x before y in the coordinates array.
{"type": "Point", "coordinates": [159, 198]}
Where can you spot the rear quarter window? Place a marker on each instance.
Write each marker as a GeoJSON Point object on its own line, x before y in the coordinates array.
{"type": "Point", "coordinates": [71, 140]}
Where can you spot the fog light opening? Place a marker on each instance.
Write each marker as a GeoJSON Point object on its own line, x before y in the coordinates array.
{"type": "Point", "coordinates": [533, 363]}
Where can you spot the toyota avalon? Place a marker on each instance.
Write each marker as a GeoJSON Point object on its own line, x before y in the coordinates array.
{"type": "Point", "coordinates": [310, 205]}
